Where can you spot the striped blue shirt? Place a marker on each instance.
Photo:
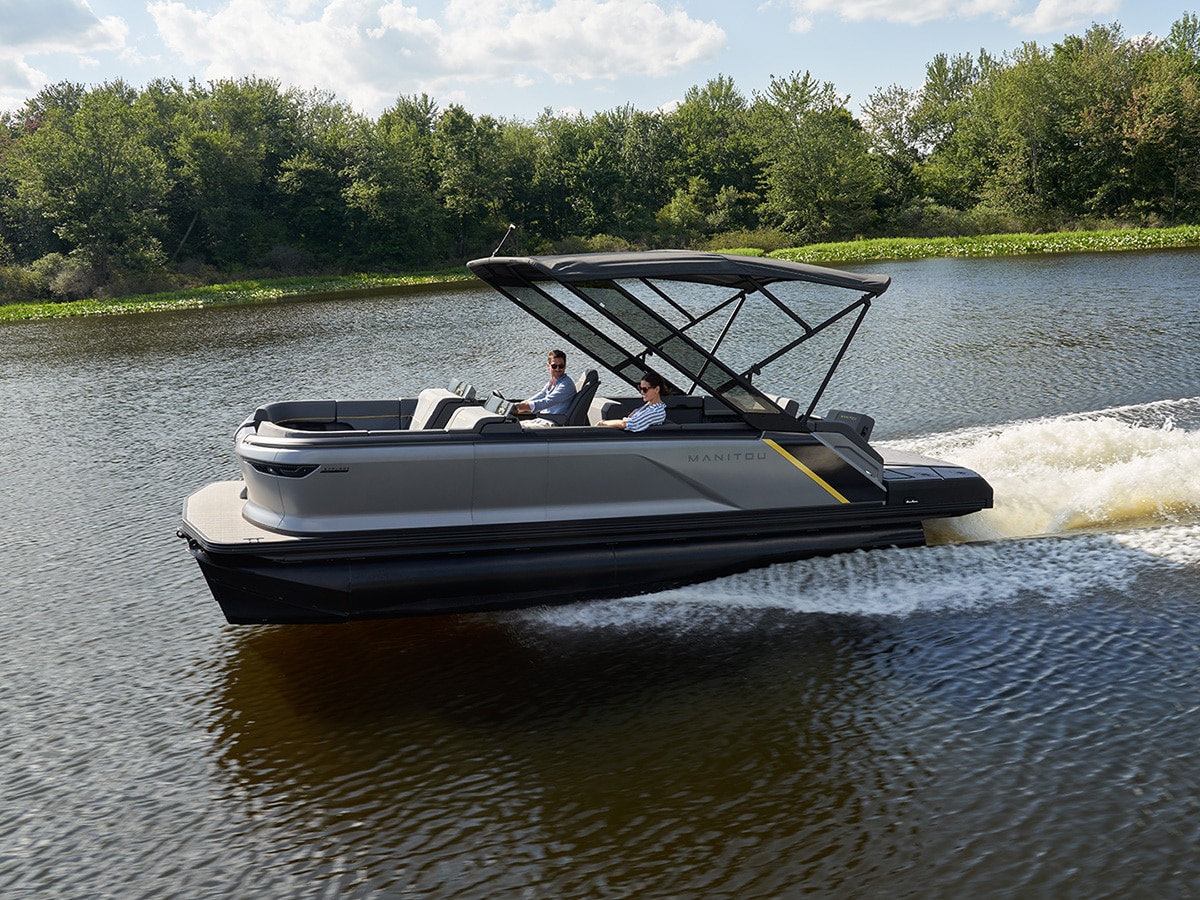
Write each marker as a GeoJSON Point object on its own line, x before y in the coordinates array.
{"type": "Point", "coordinates": [646, 415]}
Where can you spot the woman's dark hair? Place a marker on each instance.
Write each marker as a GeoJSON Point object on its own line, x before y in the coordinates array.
{"type": "Point", "coordinates": [655, 380]}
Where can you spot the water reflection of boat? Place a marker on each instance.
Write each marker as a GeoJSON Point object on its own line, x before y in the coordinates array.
{"type": "Point", "coordinates": [444, 503]}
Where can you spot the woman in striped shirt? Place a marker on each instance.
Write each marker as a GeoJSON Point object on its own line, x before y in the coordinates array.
{"type": "Point", "coordinates": [652, 412]}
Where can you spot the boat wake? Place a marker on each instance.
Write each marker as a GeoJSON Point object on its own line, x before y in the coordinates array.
{"type": "Point", "coordinates": [1084, 504]}
{"type": "Point", "coordinates": [1107, 471]}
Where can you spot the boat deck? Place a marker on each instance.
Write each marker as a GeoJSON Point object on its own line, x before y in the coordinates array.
{"type": "Point", "coordinates": [215, 511]}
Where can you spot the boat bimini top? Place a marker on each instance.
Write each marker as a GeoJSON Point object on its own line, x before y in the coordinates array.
{"type": "Point", "coordinates": [582, 297]}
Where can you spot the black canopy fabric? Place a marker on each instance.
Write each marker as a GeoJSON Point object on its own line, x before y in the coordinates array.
{"type": "Point", "coordinates": [729, 270]}
{"type": "Point", "coordinates": [603, 281]}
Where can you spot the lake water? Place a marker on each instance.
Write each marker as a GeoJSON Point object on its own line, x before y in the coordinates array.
{"type": "Point", "coordinates": [1011, 711]}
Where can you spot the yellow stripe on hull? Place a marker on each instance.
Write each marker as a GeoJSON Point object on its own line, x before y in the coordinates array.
{"type": "Point", "coordinates": [832, 491]}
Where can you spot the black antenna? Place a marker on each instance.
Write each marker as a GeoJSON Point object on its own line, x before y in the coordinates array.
{"type": "Point", "coordinates": [511, 229]}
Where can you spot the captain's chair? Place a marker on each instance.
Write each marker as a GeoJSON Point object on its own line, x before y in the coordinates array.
{"type": "Point", "coordinates": [577, 413]}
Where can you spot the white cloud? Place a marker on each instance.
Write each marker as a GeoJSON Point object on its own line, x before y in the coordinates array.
{"type": "Point", "coordinates": [41, 26]}
{"type": "Point", "coordinates": [375, 49]}
{"type": "Point", "coordinates": [17, 81]}
{"type": "Point", "coordinates": [586, 39]}
{"type": "Point", "coordinates": [338, 43]}
{"type": "Point", "coordinates": [29, 28]}
{"type": "Point", "coordinates": [904, 12]}
{"type": "Point", "coordinates": [1061, 15]}
{"type": "Point", "coordinates": [1048, 17]}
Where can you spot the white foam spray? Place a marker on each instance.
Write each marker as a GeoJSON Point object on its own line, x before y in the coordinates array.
{"type": "Point", "coordinates": [1107, 471]}
{"type": "Point", "coordinates": [881, 583]}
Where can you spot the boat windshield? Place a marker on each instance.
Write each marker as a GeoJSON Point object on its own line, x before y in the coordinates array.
{"type": "Point", "coordinates": [680, 307]}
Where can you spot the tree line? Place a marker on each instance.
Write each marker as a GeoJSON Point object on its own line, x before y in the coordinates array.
{"type": "Point", "coordinates": [110, 189]}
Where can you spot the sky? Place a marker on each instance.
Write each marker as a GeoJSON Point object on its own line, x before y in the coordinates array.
{"type": "Point", "coordinates": [513, 59]}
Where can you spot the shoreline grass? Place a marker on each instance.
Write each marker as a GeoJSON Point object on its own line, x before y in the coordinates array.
{"type": "Point", "coordinates": [269, 290]}
{"type": "Point", "coordinates": [365, 285]}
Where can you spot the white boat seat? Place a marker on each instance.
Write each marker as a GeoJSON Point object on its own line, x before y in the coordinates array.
{"type": "Point", "coordinates": [435, 406]}
{"type": "Point", "coordinates": [478, 418]}
{"type": "Point", "coordinates": [470, 418]}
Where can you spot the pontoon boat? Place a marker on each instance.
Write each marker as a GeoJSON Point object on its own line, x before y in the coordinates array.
{"type": "Point", "coordinates": [449, 502]}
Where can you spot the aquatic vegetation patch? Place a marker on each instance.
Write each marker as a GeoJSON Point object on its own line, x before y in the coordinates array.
{"type": "Point", "coordinates": [996, 245]}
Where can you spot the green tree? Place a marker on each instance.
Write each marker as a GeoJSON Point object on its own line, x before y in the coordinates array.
{"type": "Point", "coordinates": [518, 153]}
{"type": "Point", "coordinates": [1162, 127]}
{"type": "Point", "coordinates": [683, 218]}
{"type": "Point", "coordinates": [313, 182]}
{"type": "Point", "coordinates": [601, 176]}
{"type": "Point", "coordinates": [598, 180]}
{"type": "Point", "coordinates": [91, 172]}
{"type": "Point", "coordinates": [29, 233]}
{"type": "Point", "coordinates": [615, 171]}
{"type": "Point", "coordinates": [1012, 128]}
{"type": "Point", "coordinates": [559, 189]}
{"type": "Point", "coordinates": [53, 102]}
{"type": "Point", "coordinates": [1093, 78]}
{"type": "Point", "coordinates": [821, 180]}
{"type": "Point", "coordinates": [888, 118]}
{"type": "Point", "coordinates": [649, 150]}
{"type": "Point", "coordinates": [465, 157]}
{"type": "Point", "coordinates": [946, 134]}
{"type": "Point", "coordinates": [717, 154]}
{"type": "Point", "coordinates": [393, 184]}
{"type": "Point", "coordinates": [228, 155]}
